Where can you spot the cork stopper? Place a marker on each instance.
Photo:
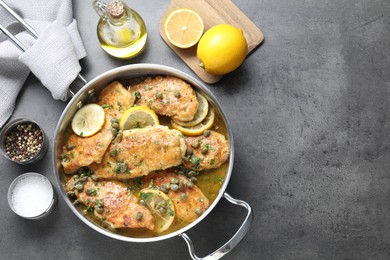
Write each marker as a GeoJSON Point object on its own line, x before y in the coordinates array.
{"type": "Point", "coordinates": [116, 8]}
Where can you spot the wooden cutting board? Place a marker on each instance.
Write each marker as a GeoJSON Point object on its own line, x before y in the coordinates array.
{"type": "Point", "coordinates": [213, 12]}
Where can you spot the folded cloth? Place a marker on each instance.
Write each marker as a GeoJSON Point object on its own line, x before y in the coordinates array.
{"type": "Point", "coordinates": [53, 57]}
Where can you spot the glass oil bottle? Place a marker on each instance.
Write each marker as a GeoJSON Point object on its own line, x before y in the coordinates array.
{"type": "Point", "coordinates": [121, 30]}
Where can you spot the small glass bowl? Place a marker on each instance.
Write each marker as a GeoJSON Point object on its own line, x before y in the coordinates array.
{"type": "Point", "coordinates": [31, 196]}
{"type": "Point", "coordinates": [7, 130]}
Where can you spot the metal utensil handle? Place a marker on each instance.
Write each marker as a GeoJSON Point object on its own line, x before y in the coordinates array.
{"type": "Point", "coordinates": [26, 26]}
{"type": "Point", "coordinates": [30, 30]}
{"type": "Point", "coordinates": [234, 241]}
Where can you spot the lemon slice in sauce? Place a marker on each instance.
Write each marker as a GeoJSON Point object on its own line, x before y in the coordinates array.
{"type": "Point", "coordinates": [88, 120]}
{"type": "Point", "coordinates": [161, 207]}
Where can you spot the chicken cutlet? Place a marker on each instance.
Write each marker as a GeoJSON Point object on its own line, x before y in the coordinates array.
{"type": "Point", "coordinates": [166, 95]}
{"type": "Point", "coordinates": [207, 152]}
{"type": "Point", "coordinates": [82, 151]}
{"type": "Point", "coordinates": [112, 203]}
{"type": "Point", "coordinates": [115, 100]}
{"type": "Point", "coordinates": [188, 199]}
{"type": "Point", "coordinates": [140, 152]}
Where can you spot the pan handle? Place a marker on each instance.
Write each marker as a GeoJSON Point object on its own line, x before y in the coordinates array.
{"type": "Point", "coordinates": [82, 80]}
{"type": "Point", "coordinates": [234, 241]}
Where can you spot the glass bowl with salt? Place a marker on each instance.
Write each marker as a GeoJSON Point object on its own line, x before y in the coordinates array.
{"type": "Point", "coordinates": [31, 196]}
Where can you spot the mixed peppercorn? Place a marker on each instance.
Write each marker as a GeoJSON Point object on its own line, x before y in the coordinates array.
{"type": "Point", "coordinates": [23, 142]}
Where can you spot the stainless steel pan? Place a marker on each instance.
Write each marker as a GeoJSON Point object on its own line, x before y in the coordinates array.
{"type": "Point", "coordinates": [138, 70]}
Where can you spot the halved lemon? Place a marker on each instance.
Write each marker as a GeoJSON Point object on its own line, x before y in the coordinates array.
{"type": "Point", "coordinates": [200, 114]}
{"type": "Point", "coordinates": [198, 129]}
{"type": "Point", "coordinates": [183, 28]}
{"type": "Point", "coordinates": [161, 207]}
{"type": "Point", "coordinates": [138, 117]}
{"type": "Point", "coordinates": [88, 120]}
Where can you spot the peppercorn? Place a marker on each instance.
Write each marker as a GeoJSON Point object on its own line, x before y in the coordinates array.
{"type": "Point", "coordinates": [23, 142]}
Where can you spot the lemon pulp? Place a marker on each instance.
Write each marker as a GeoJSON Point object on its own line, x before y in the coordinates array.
{"type": "Point", "coordinates": [138, 117]}
{"type": "Point", "coordinates": [183, 28]}
{"type": "Point", "coordinates": [88, 120]}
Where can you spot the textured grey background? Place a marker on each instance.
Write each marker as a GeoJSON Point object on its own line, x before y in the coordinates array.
{"type": "Point", "coordinates": [309, 113]}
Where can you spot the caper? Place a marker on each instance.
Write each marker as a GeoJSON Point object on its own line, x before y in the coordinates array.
{"type": "Point", "coordinates": [174, 187]}
{"type": "Point", "coordinates": [82, 175]}
{"type": "Point", "coordinates": [199, 211]}
{"type": "Point", "coordinates": [117, 168]}
{"type": "Point", "coordinates": [189, 184]}
{"type": "Point", "coordinates": [181, 186]}
{"type": "Point", "coordinates": [137, 94]}
{"type": "Point", "coordinates": [195, 144]}
{"type": "Point", "coordinates": [79, 186]}
{"type": "Point", "coordinates": [113, 152]}
{"type": "Point", "coordinates": [168, 186]}
{"type": "Point", "coordinates": [163, 188]}
{"type": "Point", "coordinates": [69, 146]}
{"type": "Point", "coordinates": [114, 131]}
{"type": "Point", "coordinates": [139, 215]}
{"type": "Point", "coordinates": [142, 202]}
{"type": "Point", "coordinates": [75, 176]}
{"type": "Point", "coordinates": [174, 180]}
{"type": "Point", "coordinates": [84, 179]}
{"type": "Point", "coordinates": [191, 173]}
{"type": "Point", "coordinates": [123, 167]}
{"type": "Point", "coordinates": [119, 137]}
{"type": "Point", "coordinates": [99, 209]}
{"type": "Point", "coordinates": [207, 133]}
{"type": "Point", "coordinates": [115, 125]}
{"type": "Point", "coordinates": [194, 179]}
{"type": "Point", "coordinates": [159, 95]}
{"type": "Point", "coordinates": [204, 149]}
{"type": "Point", "coordinates": [183, 196]}
{"type": "Point", "coordinates": [94, 177]}
{"type": "Point", "coordinates": [177, 94]}
{"type": "Point", "coordinates": [114, 120]}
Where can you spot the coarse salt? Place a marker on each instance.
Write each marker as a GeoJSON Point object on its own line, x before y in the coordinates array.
{"type": "Point", "coordinates": [32, 196]}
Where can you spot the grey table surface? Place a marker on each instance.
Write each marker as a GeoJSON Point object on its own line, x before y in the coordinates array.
{"type": "Point", "coordinates": [309, 114]}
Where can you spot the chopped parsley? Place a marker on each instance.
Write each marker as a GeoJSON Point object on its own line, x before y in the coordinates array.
{"type": "Point", "coordinates": [219, 179]}
{"type": "Point", "coordinates": [99, 203]}
{"type": "Point", "coordinates": [107, 106]}
{"type": "Point", "coordinates": [91, 192]}
{"type": "Point", "coordinates": [195, 161]}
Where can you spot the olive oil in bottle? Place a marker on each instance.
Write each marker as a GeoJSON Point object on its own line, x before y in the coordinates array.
{"type": "Point", "coordinates": [121, 30]}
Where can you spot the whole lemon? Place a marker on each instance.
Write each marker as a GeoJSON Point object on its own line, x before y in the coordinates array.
{"type": "Point", "coordinates": [222, 49]}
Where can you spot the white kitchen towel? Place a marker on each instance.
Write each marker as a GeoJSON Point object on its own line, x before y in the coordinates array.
{"type": "Point", "coordinates": [53, 57]}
